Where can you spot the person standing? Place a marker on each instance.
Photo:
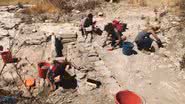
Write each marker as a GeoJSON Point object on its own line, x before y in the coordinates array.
{"type": "Point", "coordinates": [87, 26]}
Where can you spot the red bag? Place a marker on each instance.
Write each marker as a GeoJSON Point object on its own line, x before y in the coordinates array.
{"type": "Point", "coordinates": [117, 24]}
{"type": "Point", "coordinates": [121, 27]}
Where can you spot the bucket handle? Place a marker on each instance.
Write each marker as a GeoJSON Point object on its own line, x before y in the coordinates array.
{"type": "Point", "coordinates": [143, 100]}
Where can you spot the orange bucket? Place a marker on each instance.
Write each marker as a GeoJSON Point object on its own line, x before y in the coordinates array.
{"type": "Point", "coordinates": [7, 57]}
{"type": "Point", "coordinates": [127, 97]}
{"type": "Point", "coordinates": [30, 82]}
{"type": "Point", "coordinates": [42, 69]}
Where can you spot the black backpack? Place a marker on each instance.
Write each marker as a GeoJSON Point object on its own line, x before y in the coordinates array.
{"type": "Point", "coordinates": [124, 27]}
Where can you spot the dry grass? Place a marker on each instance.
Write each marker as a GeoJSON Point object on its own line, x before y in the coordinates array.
{"type": "Point", "coordinates": [67, 5]}
{"type": "Point", "coordinates": [43, 6]}
{"type": "Point", "coordinates": [138, 2]}
{"type": "Point", "coordinates": [75, 4]}
{"type": "Point", "coordinates": [9, 2]}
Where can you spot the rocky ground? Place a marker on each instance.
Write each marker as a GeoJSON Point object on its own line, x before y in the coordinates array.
{"type": "Point", "coordinates": [157, 77]}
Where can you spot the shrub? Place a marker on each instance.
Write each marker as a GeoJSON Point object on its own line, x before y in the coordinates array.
{"type": "Point", "coordinates": [138, 2]}
{"type": "Point", "coordinates": [40, 8]}
{"type": "Point", "coordinates": [68, 5]}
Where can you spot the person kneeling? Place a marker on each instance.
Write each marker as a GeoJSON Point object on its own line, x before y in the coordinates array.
{"type": "Point", "coordinates": [55, 72]}
{"type": "Point", "coordinates": [144, 41]}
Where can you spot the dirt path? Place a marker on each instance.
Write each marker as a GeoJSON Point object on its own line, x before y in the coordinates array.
{"type": "Point", "coordinates": [148, 75]}
{"type": "Point", "coordinates": [152, 76]}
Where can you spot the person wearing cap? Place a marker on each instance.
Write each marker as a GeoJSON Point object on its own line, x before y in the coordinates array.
{"type": "Point", "coordinates": [87, 26]}
{"type": "Point", "coordinates": [144, 41]}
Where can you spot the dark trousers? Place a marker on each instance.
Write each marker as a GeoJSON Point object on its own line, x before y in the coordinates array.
{"type": "Point", "coordinates": [144, 44]}
{"type": "Point", "coordinates": [114, 37]}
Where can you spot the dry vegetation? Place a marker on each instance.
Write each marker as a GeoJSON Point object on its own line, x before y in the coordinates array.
{"type": "Point", "coordinates": [75, 4]}
{"type": "Point", "coordinates": [8, 2]}
{"type": "Point", "coordinates": [67, 5]}
{"type": "Point", "coordinates": [42, 6]}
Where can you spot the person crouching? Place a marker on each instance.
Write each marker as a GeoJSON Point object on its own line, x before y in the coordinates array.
{"type": "Point", "coordinates": [144, 41]}
{"type": "Point", "coordinates": [55, 72]}
{"type": "Point", "coordinates": [114, 34]}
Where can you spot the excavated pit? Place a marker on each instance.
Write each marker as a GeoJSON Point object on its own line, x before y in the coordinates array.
{"type": "Point", "coordinates": [96, 75]}
{"type": "Point", "coordinates": [32, 43]}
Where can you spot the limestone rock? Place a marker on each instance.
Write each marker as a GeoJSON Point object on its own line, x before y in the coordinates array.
{"type": "Point", "coordinates": [76, 11]}
{"type": "Point", "coordinates": [99, 63]}
{"type": "Point", "coordinates": [93, 59]}
{"type": "Point", "coordinates": [4, 8]}
{"type": "Point", "coordinates": [92, 54]}
{"type": "Point", "coordinates": [34, 30]}
{"type": "Point", "coordinates": [3, 32]}
{"type": "Point", "coordinates": [100, 14]}
{"type": "Point", "coordinates": [10, 75]}
{"type": "Point", "coordinates": [12, 7]}
{"type": "Point", "coordinates": [80, 75]}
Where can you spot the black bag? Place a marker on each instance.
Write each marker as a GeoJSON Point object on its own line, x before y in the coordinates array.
{"type": "Point", "coordinates": [124, 27]}
{"type": "Point", "coordinates": [98, 31]}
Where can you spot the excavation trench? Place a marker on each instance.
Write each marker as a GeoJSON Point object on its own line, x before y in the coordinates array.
{"type": "Point", "coordinates": [96, 74]}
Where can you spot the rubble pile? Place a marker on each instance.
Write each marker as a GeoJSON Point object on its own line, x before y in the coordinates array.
{"type": "Point", "coordinates": [31, 43]}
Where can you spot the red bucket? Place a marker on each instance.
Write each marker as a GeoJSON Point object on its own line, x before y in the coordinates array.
{"type": "Point", "coordinates": [7, 57]}
{"type": "Point", "coordinates": [43, 68]}
{"type": "Point", "coordinates": [127, 97]}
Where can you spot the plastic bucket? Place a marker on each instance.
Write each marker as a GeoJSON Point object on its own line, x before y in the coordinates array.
{"type": "Point", "coordinates": [7, 57]}
{"type": "Point", "coordinates": [127, 48]}
{"type": "Point", "coordinates": [30, 82]}
{"type": "Point", "coordinates": [42, 69]}
{"type": "Point", "coordinates": [127, 97]}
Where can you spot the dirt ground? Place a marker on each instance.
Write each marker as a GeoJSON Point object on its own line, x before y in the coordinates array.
{"type": "Point", "coordinates": [155, 77]}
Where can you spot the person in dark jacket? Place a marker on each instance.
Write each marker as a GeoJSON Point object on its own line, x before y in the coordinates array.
{"type": "Point", "coordinates": [113, 33]}
{"type": "Point", "coordinates": [87, 26]}
{"type": "Point", "coordinates": [144, 41]}
{"type": "Point", "coordinates": [56, 72]}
